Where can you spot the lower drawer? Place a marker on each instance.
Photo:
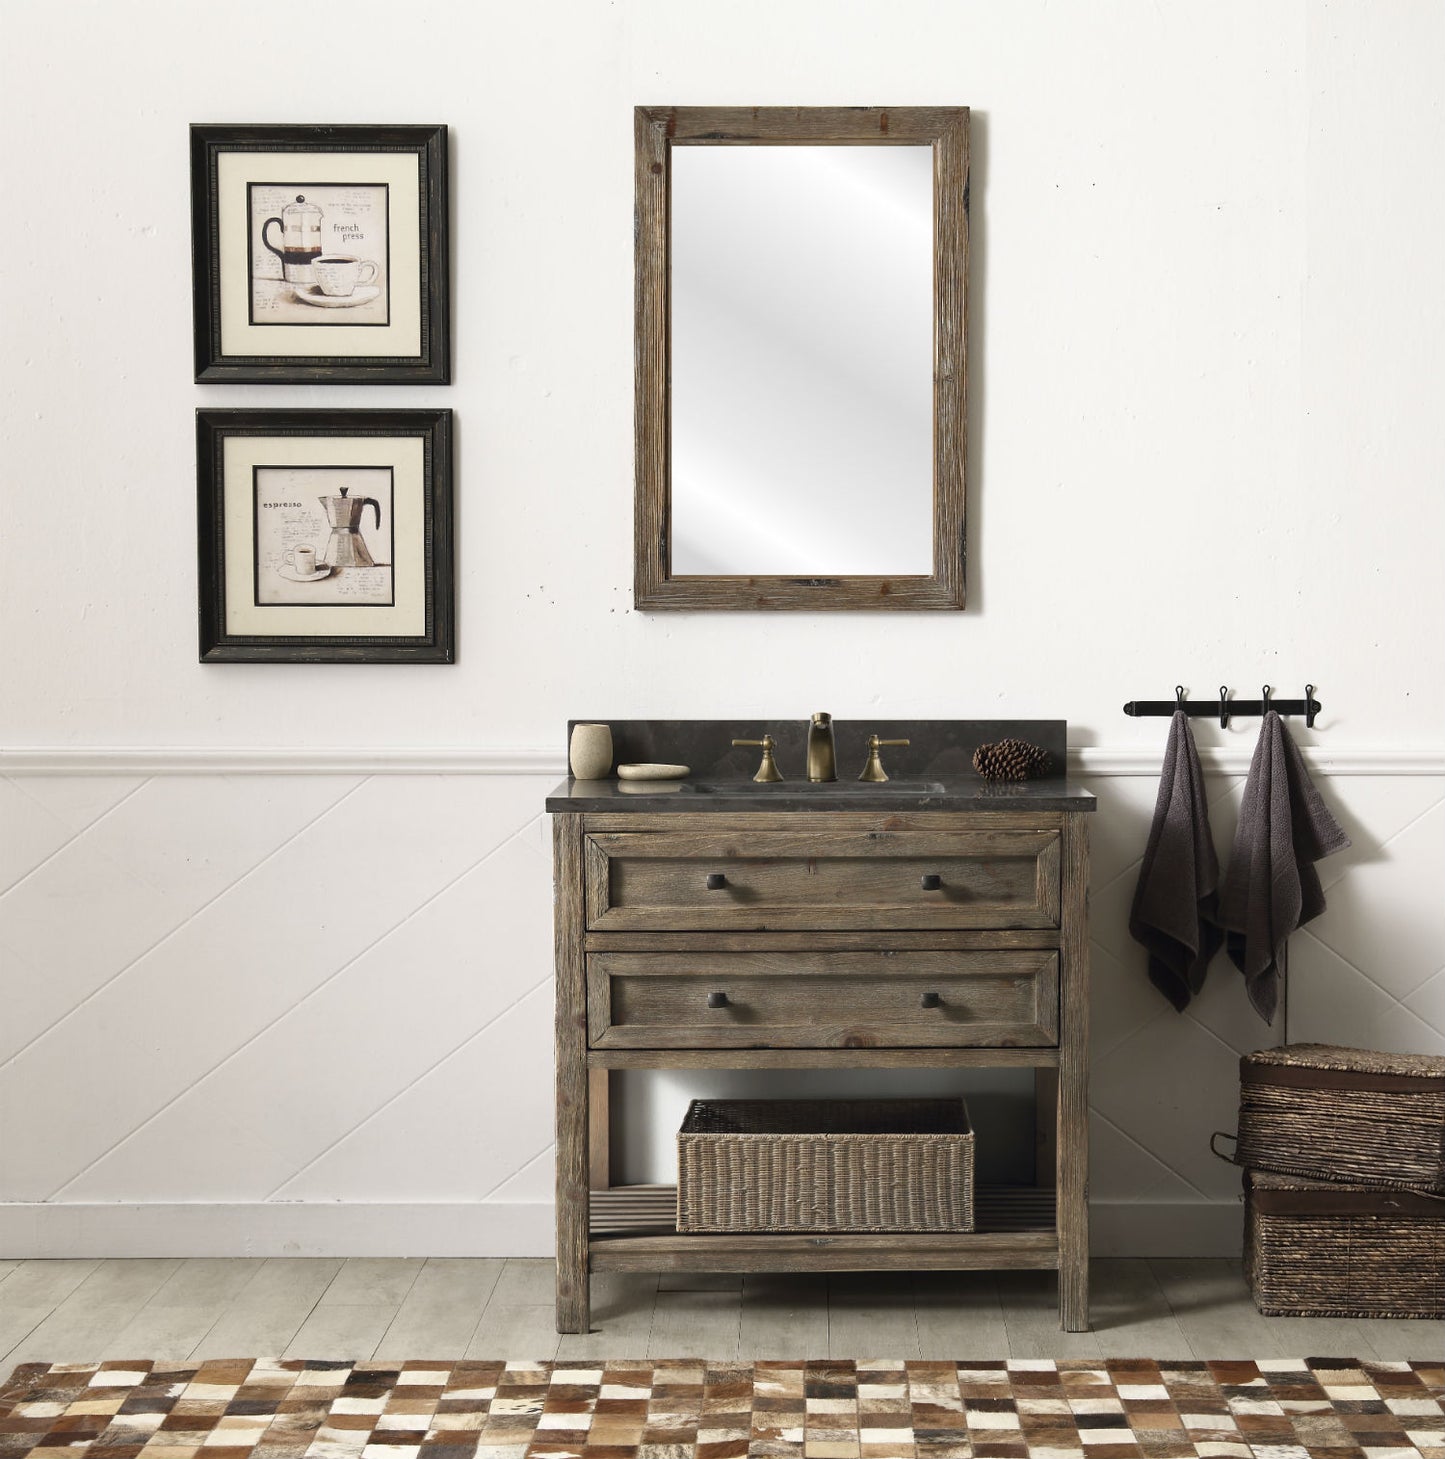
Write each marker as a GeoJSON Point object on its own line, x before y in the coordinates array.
{"type": "Point", "coordinates": [800, 1000]}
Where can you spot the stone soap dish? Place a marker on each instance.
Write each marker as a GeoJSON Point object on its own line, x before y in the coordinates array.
{"type": "Point", "coordinates": [652, 772]}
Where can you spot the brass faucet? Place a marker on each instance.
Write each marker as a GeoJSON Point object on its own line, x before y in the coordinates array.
{"type": "Point", "coordinates": [768, 772]}
{"type": "Point", "coordinates": [822, 753]}
{"type": "Point", "coordinates": [874, 770]}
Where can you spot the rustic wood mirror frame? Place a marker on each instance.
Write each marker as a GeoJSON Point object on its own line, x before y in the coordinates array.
{"type": "Point", "coordinates": [657, 131]}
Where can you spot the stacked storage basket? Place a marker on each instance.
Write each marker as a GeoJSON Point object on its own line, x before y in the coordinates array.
{"type": "Point", "coordinates": [1344, 1156]}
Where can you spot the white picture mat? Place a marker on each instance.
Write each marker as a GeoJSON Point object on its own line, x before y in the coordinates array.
{"type": "Point", "coordinates": [407, 457]}
{"type": "Point", "coordinates": [401, 171]}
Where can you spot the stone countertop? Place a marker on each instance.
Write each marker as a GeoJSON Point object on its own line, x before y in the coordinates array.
{"type": "Point", "coordinates": [700, 796]}
{"type": "Point", "coordinates": [933, 772]}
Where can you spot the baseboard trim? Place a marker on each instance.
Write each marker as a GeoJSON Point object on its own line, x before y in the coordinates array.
{"type": "Point", "coordinates": [1166, 1228]}
{"type": "Point", "coordinates": [274, 1228]}
{"type": "Point", "coordinates": [494, 1228]}
{"type": "Point", "coordinates": [1099, 760]}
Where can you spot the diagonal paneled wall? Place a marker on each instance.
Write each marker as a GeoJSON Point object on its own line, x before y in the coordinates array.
{"type": "Point", "coordinates": [352, 1006]}
{"type": "Point", "coordinates": [313, 1012]}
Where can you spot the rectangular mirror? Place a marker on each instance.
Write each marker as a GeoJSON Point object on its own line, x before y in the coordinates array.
{"type": "Point", "coordinates": [801, 357]}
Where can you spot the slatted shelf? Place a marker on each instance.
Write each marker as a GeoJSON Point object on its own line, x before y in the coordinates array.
{"type": "Point", "coordinates": [633, 1228]}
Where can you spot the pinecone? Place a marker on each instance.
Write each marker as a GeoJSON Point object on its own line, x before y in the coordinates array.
{"type": "Point", "coordinates": [1010, 760]}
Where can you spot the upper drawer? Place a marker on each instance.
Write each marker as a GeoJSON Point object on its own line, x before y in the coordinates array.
{"type": "Point", "coordinates": [771, 880]}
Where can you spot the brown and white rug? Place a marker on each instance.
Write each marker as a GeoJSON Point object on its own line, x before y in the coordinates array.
{"type": "Point", "coordinates": [687, 1409]}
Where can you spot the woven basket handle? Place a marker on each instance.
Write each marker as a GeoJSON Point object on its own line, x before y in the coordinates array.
{"type": "Point", "coordinates": [1233, 1157]}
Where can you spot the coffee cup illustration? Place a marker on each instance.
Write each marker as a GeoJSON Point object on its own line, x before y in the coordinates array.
{"type": "Point", "coordinates": [340, 274]}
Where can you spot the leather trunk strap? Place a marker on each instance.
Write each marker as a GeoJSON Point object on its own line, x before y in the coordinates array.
{"type": "Point", "coordinates": [1346, 1203]}
{"type": "Point", "coordinates": [1296, 1076]}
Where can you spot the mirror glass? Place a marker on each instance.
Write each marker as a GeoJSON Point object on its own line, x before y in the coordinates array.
{"type": "Point", "coordinates": [802, 360]}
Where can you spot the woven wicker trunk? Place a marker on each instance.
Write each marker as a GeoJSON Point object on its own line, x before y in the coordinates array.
{"type": "Point", "coordinates": [825, 1165]}
{"type": "Point", "coordinates": [1320, 1249]}
{"type": "Point", "coordinates": [1339, 1114]}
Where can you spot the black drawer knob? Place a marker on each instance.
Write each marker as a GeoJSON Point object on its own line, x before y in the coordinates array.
{"type": "Point", "coordinates": [932, 881]}
{"type": "Point", "coordinates": [716, 881]}
{"type": "Point", "coordinates": [930, 1000]}
{"type": "Point", "coordinates": [717, 1000]}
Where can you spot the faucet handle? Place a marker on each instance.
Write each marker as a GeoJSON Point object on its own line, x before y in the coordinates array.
{"type": "Point", "coordinates": [768, 772]}
{"type": "Point", "coordinates": [874, 770]}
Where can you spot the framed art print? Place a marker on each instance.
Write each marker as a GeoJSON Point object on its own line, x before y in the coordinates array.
{"type": "Point", "coordinates": [320, 254]}
{"type": "Point", "coordinates": [325, 536]}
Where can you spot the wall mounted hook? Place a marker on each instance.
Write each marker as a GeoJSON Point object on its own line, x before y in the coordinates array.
{"type": "Point", "coordinates": [1227, 709]}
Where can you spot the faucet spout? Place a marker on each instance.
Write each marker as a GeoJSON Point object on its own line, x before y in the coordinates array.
{"type": "Point", "coordinates": [822, 752]}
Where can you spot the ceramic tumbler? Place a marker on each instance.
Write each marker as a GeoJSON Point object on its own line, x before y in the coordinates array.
{"type": "Point", "coordinates": [591, 751]}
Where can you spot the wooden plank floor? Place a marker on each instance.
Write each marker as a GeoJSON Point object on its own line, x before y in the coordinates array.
{"type": "Point", "coordinates": [78, 1311]}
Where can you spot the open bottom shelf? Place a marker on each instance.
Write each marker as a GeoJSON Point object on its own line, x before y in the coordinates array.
{"type": "Point", "coordinates": [634, 1228]}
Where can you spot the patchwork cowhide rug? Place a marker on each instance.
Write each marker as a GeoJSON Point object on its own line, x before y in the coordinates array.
{"type": "Point", "coordinates": [688, 1409]}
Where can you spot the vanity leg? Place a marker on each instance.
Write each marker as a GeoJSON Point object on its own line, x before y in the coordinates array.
{"type": "Point", "coordinates": [573, 1283]}
{"type": "Point", "coordinates": [1073, 1089]}
{"type": "Point", "coordinates": [1073, 1226]}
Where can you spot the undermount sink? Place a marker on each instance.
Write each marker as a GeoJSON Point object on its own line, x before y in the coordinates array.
{"type": "Point", "coordinates": [808, 787]}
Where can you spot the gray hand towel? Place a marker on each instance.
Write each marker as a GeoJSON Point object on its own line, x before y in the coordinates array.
{"type": "Point", "coordinates": [1272, 886]}
{"type": "Point", "coordinates": [1173, 914]}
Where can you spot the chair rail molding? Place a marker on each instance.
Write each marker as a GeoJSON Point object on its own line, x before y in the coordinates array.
{"type": "Point", "coordinates": [279, 760]}
{"type": "Point", "coordinates": [1105, 760]}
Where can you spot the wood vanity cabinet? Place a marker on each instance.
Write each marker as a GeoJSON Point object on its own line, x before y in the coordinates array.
{"type": "Point", "coordinates": [822, 931]}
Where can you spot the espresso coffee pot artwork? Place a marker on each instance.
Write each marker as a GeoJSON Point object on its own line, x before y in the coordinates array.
{"type": "Point", "coordinates": [312, 541]}
{"type": "Point", "coordinates": [319, 253]}
{"type": "Point", "coordinates": [347, 547]}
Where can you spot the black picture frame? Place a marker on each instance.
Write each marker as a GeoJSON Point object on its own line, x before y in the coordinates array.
{"type": "Point", "coordinates": [287, 434]}
{"type": "Point", "coordinates": [391, 146]}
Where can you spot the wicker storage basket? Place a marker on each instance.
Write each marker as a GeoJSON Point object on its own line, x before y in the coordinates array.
{"type": "Point", "coordinates": [1320, 1249]}
{"type": "Point", "coordinates": [1344, 1114]}
{"type": "Point", "coordinates": [825, 1165]}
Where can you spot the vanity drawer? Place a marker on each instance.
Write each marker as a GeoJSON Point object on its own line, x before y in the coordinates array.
{"type": "Point", "coordinates": [770, 880]}
{"type": "Point", "coordinates": [843, 1000]}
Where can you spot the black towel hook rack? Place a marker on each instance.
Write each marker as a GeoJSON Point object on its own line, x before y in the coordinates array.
{"type": "Point", "coordinates": [1228, 708]}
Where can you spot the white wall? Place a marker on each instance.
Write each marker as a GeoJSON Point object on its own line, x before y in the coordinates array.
{"type": "Point", "coordinates": [1206, 361]}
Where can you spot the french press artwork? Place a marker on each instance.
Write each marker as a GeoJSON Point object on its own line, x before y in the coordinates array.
{"type": "Point", "coordinates": [319, 254]}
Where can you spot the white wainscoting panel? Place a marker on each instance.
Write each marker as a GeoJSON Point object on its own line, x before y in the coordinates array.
{"type": "Point", "coordinates": [285, 1011]}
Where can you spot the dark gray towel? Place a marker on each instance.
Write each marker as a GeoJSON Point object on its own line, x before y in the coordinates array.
{"type": "Point", "coordinates": [1272, 886]}
{"type": "Point", "coordinates": [1174, 908]}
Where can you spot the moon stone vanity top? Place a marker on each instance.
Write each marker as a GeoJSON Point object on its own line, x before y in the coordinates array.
{"type": "Point", "coordinates": [934, 771]}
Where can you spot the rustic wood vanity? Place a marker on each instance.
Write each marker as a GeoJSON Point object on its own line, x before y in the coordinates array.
{"type": "Point", "coordinates": [935, 921]}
